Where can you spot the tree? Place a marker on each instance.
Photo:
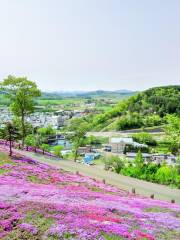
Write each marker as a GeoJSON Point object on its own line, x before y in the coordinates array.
{"type": "Point", "coordinates": [115, 163]}
{"type": "Point", "coordinates": [9, 133]}
{"type": "Point", "coordinates": [21, 92]}
{"type": "Point", "coordinates": [28, 126]}
{"type": "Point", "coordinates": [30, 141]}
{"type": "Point", "coordinates": [45, 147]}
{"type": "Point", "coordinates": [79, 128]}
{"type": "Point", "coordinates": [144, 138]}
{"type": "Point", "coordinates": [138, 161]}
{"type": "Point", "coordinates": [46, 131]}
{"type": "Point", "coordinates": [172, 130]}
{"type": "Point", "coordinates": [57, 150]}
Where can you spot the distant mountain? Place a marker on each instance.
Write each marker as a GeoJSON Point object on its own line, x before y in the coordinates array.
{"type": "Point", "coordinates": [62, 94]}
{"type": "Point", "coordinates": [124, 91]}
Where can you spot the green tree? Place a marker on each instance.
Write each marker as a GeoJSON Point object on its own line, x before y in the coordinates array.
{"type": "Point", "coordinates": [178, 165]}
{"type": "Point", "coordinates": [45, 147]}
{"type": "Point", "coordinates": [79, 128]}
{"type": "Point", "coordinates": [28, 126]}
{"type": "Point", "coordinates": [46, 131]}
{"type": "Point", "coordinates": [9, 133]}
{"type": "Point", "coordinates": [145, 138]}
{"type": "Point", "coordinates": [57, 150]}
{"type": "Point", "coordinates": [21, 92]}
{"type": "Point", "coordinates": [138, 164]}
{"type": "Point", "coordinates": [30, 141]}
{"type": "Point", "coordinates": [43, 134]}
{"type": "Point", "coordinates": [115, 163]}
{"type": "Point", "coordinates": [172, 130]}
{"type": "Point", "coordinates": [166, 175]}
{"type": "Point", "coordinates": [139, 160]}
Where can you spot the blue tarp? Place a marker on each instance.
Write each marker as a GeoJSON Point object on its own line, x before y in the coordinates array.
{"type": "Point", "coordinates": [88, 159]}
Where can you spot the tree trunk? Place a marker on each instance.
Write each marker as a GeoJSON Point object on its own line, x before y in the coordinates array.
{"type": "Point", "coordinates": [10, 148]}
{"type": "Point", "coordinates": [75, 156]}
{"type": "Point", "coordinates": [23, 129]}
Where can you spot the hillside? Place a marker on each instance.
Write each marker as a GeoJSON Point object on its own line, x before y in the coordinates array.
{"type": "Point", "coordinates": [145, 109]}
{"type": "Point", "coordinates": [38, 201]}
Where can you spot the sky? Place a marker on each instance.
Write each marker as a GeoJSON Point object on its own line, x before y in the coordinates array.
{"type": "Point", "coordinates": [91, 44]}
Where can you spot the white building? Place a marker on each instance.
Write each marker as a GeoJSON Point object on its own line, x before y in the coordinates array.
{"type": "Point", "coordinates": [118, 144]}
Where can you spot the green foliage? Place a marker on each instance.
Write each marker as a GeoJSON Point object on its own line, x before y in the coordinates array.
{"type": "Point", "coordinates": [30, 140]}
{"type": "Point", "coordinates": [79, 126]}
{"type": "Point", "coordinates": [144, 138]}
{"type": "Point", "coordinates": [46, 131]}
{"type": "Point", "coordinates": [20, 91]}
{"type": "Point", "coordinates": [146, 109]}
{"type": "Point", "coordinates": [178, 165]}
{"type": "Point", "coordinates": [152, 120]}
{"type": "Point", "coordinates": [138, 160]}
{"type": "Point", "coordinates": [9, 133]}
{"type": "Point", "coordinates": [129, 121]}
{"type": "Point", "coordinates": [27, 126]}
{"type": "Point", "coordinates": [172, 130]}
{"type": "Point", "coordinates": [162, 147]}
{"type": "Point", "coordinates": [45, 147]}
{"type": "Point", "coordinates": [114, 163]}
{"type": "Point", "coordinates": [166, 175]}
{"type": "Point", "coordinates": [57, 151]}
{"type": "Point", "coordinates": [92, 140]}
{"type": "Point", "coordinates": [112, 237]}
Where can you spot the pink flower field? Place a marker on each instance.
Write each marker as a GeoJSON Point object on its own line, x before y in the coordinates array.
{"type": "Point", "coordinates": [38, 201]}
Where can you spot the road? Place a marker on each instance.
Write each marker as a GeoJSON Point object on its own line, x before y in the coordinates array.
{"type": "Point", "coordinates": [123, 182]}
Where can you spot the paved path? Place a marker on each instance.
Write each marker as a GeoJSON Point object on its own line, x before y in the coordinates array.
{"type": "Point", "coordinates": [127, 183]}
{"type": "Point", "coordinates": [119, 133]}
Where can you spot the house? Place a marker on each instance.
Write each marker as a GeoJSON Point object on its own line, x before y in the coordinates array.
{"type": "Point", "coordinates": [118, 144]}
{"type": "Point", "coordinates": [146, 156]}
{"type": "Point", "coordinates": [169, 159]}
{"type": "Point", "coordinates": [156, 158]}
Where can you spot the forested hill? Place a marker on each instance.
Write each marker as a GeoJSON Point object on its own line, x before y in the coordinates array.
{"type": "Point", "coordinates": [145, 109]}
{"type": "Point", "coordinates": [161, 100]}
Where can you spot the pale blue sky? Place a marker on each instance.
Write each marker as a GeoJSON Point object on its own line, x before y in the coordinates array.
{"type": "Point", "coordinates": [91, 44]}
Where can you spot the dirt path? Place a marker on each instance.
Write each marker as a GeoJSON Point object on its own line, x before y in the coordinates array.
{"type": "Point", "coordinates": [127, 183]}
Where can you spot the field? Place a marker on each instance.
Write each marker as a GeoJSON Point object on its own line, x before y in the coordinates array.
{"type": "Point", "coordinates": [42, 202]}
{"type": "Point", "coordinates": [65, 101]}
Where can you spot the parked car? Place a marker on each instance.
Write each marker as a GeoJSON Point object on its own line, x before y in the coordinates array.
{"type": "Point", "coordinates": [107, 148]}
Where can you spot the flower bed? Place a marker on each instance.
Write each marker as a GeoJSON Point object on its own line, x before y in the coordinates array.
{"type": "Point", "coordinates": [15, 145]}
{"type": "Point", "coordinates": [38, 201]}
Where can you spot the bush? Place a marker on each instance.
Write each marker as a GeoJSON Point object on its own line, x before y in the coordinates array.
{"type": "Point", "coordinates": [57, 151]}
{"type": "Point", "coordinates": [129, 121]}
{"type": "Point", "coordinates": [115, 163]}
{"type": "Point", "coordinates": [166, 175]}
{"type": "Point", "coordinates": [144, 138]}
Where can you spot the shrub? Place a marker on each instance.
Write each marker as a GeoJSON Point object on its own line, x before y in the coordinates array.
{"type": "Point", "coordinates": [57, 151]}
{"type": "Point", "coordinates": [144, 138]}
{"type": "Point", "coordinates": [115, 163]}
{"type": "Point", "coordinates": [166, 175]}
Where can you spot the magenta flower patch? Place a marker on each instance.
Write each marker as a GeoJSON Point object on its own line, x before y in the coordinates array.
{"type": "Point", "coordinates": [38, 201]}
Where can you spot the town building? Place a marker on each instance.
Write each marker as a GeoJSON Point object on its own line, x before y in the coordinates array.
{"type": "Point", "coordinates": [118, 144]}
